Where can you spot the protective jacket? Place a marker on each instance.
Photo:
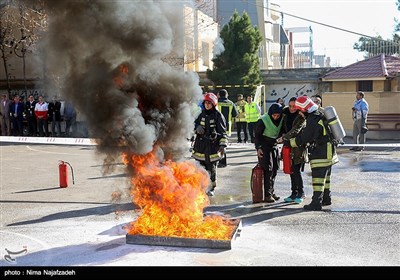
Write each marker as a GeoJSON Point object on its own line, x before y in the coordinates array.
{"type": "Point", "coordinates": [206, 145]}
{"type": "Point", "coordinates": [322, 153]}
{"type": "Point", "coordinates": [228, 109]}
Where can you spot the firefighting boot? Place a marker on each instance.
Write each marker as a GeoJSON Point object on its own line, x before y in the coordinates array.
{"type": "Point", "coordinates": [291, 198]}
{"type": "Point", "coordinates": [211, 189]}
{"type": "Point", "coordinates": [326, 199]}
{"type": "Point", "coordinates": [316, 202]}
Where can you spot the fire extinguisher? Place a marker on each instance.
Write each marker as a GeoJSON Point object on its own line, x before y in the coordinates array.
{"type": "Point", "coordinates": [63, 173]}
{"type": "Point", "coordinates": [257, 183]}
{"type": "Point", "coordinates": [287, 159]}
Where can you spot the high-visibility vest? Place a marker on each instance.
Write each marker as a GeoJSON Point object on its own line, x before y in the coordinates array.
{"type": "Point", "coordinates": [271, 130]}
{"type": "Point", "coordinates": [223, 107]}
{"type": "Point", "coordinates": [252, 114]}
{"type": "Point", "coordinates": [240, 106]}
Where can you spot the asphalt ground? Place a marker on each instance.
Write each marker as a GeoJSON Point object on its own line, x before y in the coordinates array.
{"type": "Point", "coordinates": [43, 225]}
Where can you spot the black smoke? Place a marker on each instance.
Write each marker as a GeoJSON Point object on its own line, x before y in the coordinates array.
{"type": "Point", "coordinates": [112, 59]}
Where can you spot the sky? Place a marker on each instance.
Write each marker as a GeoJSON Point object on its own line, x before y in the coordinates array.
{"type": "Point", "coordinates": [366, 17]}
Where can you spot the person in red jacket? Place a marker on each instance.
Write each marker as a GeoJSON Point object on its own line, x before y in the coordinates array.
{"type": "Point", "coordinates": [41, 113]}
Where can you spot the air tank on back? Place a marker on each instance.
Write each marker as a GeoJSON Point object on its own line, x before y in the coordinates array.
{"type": "Point", "coordinates": [334, 122]}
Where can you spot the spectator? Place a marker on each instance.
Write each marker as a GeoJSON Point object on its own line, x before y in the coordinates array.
{"type": "Point", "coordinates": [41, 113]}
{"type": "Point", "coordinates": [267, 130]}
{"type": "Point", "coordinates": [317, 99]}
{"type": "Point", "coordinates": [5, 115]}
{"type": "Point", "coordinates": [17, 117]}
{"type": "Point", "coordinates": [253, 113]}
{"type": "Point", "coordinates": [281, 101]}
{"type": "Point", "coordinates": [30, 113]}
{"type": "Point", "coordinates": [360, 113]}
{"type": "Point", "coordinates": [70, 119]}
{"type": "Point", "coordinates": [241, 123]}
{"type": "Point", "coordinates": [55, 116]}
{"type": "Point", "coordinates": [211, 139]}
{"type": "Point", "coordinates": [228, 110]}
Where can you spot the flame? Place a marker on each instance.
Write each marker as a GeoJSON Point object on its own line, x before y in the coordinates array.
{"type": "Point", "coordinates": [172, 198]}
{"type": "Point", "coordinates": [120, 75]}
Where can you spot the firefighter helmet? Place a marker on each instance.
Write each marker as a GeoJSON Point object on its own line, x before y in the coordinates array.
{"type": "Point", "coordinates": [209, 96]}
{"type": "Point", "coordinates": [305, 104]}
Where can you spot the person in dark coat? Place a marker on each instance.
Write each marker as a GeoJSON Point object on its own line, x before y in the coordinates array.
{"type": "Point", "coordinates": [70, 119]}
{"type": "Point", "coordinates": [55, 116]}
{"type": "Point", "coordinates": [211, 139]}
{"type": "Point", "coordinates": [228, 109]}
{"type": "Point", "coordinates": [293, 121]}
{"type": "Point", "coordinates": [16, 112]}
{"type": "Point", "coordinates": [30, 114]}
{"type": "Point", "coordinates": [268, 129]}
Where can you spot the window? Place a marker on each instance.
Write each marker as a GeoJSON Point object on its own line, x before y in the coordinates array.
{"type": "Point", "coordinates": [364, 86]}
{"type": "Point", "coordinates": [388, 85]}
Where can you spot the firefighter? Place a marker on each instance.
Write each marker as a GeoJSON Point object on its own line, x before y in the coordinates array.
{"type": "Point", "coordinates": [211, 139]}
{"type": "Point", "coordinates": [228, 110]}
{"type": "Point", "coordinates": [267, 130]}
{"type": "Point", "coordinates": [322, 152]}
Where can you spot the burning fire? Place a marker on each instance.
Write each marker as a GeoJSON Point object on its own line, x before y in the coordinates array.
{"type": "Point", "coordinates": [172, 198]}
{"type": "Point", "coordinates": [121, 75]}
{"type": "Point", "coordinates": [133, 98]}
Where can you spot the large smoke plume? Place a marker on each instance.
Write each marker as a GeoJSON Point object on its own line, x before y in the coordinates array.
{"type": "Point", "coordinates": [109, 55]}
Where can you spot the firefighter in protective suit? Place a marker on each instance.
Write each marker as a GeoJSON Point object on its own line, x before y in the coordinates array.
{"type": "Point", "coordinates": [322, 153]}
{"type": "Point", "coordinates": [211, 139]}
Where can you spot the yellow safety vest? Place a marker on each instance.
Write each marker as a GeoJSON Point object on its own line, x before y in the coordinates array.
{"type": "Point", "coordinates": [228, 121]}
{"type": "Point", "coordinates": [240, 106]}
{"type": "Point", "coordinates": [252, 114]}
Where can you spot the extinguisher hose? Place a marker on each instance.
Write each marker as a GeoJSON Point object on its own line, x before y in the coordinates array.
{"type": "Point", "coordinates": [72, 172]}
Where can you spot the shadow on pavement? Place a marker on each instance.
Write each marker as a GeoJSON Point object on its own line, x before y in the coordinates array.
{"type": "Point", "coordinates": [99, 210]}
{"type": "Point", "coordinates": [251, 213]}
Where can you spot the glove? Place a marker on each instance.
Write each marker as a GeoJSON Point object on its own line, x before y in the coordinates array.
{"type": "Point", "coordinates": [221, 150]}
{"type": "Point", "coordinates": [200, 130]}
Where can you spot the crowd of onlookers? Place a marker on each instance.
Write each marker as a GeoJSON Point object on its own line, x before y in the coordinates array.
{"type": "Point", "coordinates": [38, 118]}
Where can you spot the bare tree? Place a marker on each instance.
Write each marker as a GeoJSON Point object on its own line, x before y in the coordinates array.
{"type": "Point", "coordinates": [32, 20]}
{"type": "Point", "coordinates": [7, 21]}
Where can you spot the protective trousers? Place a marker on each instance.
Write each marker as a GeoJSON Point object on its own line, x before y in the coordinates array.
{"type": "Point", "coordinates": [320, 182]}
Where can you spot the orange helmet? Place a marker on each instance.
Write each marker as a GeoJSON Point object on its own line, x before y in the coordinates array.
{"type": "Point", "coordinates": [304, 104]}
{"type": "Point", "coordinates": [209, 96]}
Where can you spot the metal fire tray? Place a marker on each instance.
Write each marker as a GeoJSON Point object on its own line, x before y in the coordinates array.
{"type": "Point", "coordinates": [138, 239]}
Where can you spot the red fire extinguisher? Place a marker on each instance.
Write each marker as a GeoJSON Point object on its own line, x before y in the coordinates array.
{"type": "Point", "coordinates": [287, 160]}
{"type": "Point", "coordinates": [257, 183]}
{"type": "Point", "coordinates": [63, 173]}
